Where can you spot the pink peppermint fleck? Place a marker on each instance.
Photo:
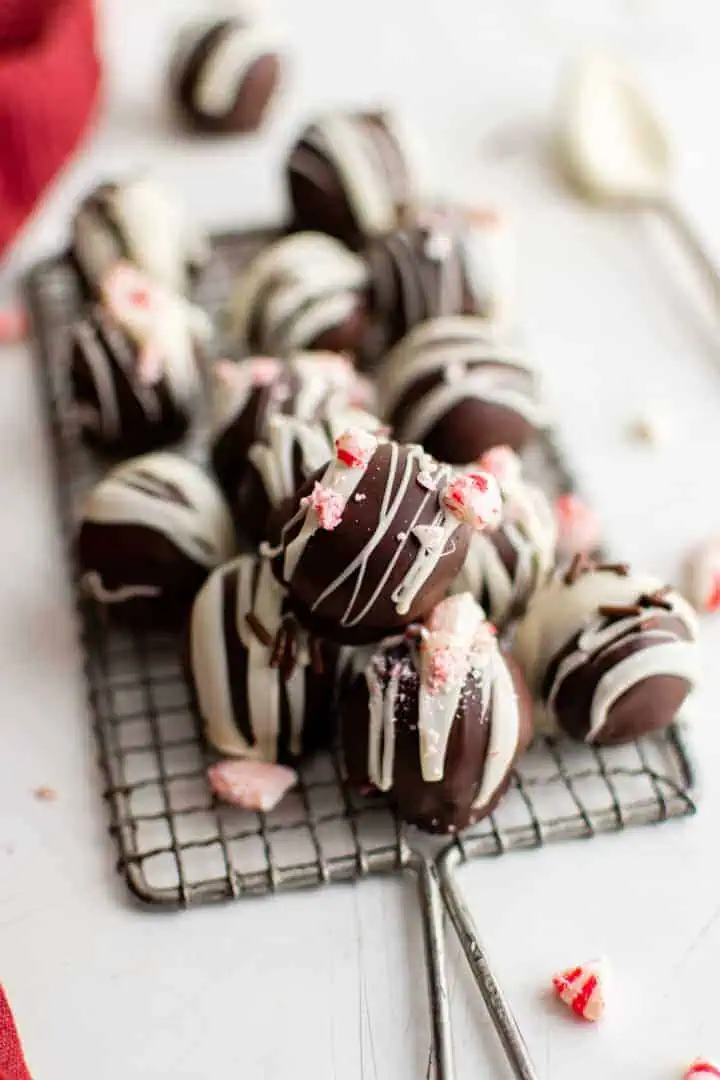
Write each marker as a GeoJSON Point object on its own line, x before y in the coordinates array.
{"type": "Point", "coordinates": [328, 506]}
{"type": "Point", "coordinates": [251, 785]}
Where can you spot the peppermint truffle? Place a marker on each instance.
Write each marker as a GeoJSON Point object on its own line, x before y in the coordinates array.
{"type": "Point", "coordinates": [150, 532]}
{"type": "Point", "coordinates": [224, 74]}
{"type": "Point", "coordinates": [506, 566]}
{"type": "Point", "coordinates": [450, 262]}
{"type": "Point", "coordinates": [142, 222]}
{"type": "Point", "coordinates": [609, 655]}
{"type": "Point", "coordinates": [134, 365]}
{"type": "Point", "coordinates": [350, 176]}
{"type": "Point", "coordinates": [455, 386]}
{"type": "Point", "coordinates": [302, 292]}
{"type": "Point", "coordinates": [264, 688]}
{"type": "Point", "coordinates": [274, 422]}
{"type": "Point", "coordinates": [373, 542]}
{"type": "Point", "coordinates": [436, 718]}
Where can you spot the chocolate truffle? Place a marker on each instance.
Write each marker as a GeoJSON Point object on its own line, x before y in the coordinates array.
{"type": "Point", "coordinates": [373, 542]}
{"type": "Point", "coordinates": [350, 176]}
{"type": "Point", "coordinates": [609, 655]}
{"type": "Point", "coordinates": [506, 566]}
{"type": "Point", "coordinates": [451, 262]}
{"type": "Point", "coordinates": [149, 534]}
{"type": "Point", "coordinates": [140, 221]}
{"type": "Point", "coordinates": [438, 719]}
{"type": "Point", "coordinates": [224, 73]}
{"type": "Point", "coordinates": [303, 292]}
{"type": "Point", "coordinates": [250, 395]}
{"type": "Point", "coordinates": [264, 688]}
{"type": "Point", "coordinates": [134, 365]}
{"type": "Point", "coordinates": [456, 387]}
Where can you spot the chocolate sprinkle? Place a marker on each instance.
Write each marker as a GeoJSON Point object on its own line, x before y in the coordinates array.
{"type": "Point", "coordinates": [263, 635]}
{"type": "Point", "coordinates": [616, 611]}
{"type": "Point", "coordinates": [278, 652]}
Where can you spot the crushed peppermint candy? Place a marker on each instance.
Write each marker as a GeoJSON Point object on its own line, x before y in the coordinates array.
{"type": "Point", "coordinates": [251, 785]}
{"type": "Point", "coordinates": [503, 463]}
{"type": "Point", "coordinates": [264, 370]}
{"type": "Point", "coordinates": [359, 497]}
{"type": "Point", "coordinates": [441, 667]}
{"type": "Point", "coordinates": [401, 536]}
{"type": "Point", "coordinates": [327, 504]}
{"type": "Point", "coordinates": [699, 1068]}
{"type": "Point", "coordinates": [14, 325]}
{"type": "Point", "coordinates": [475, 498]}
{"type": "Point", "coordinates": [582, 989]}
{"type": "Point", "coordinates": [701, 576]}
{"type": "Point", "coordinates": [578, 526]}
{"type": "Point", "coordinates": [130, 293]}
{"type": "Point", "coordinates": [355, 447]}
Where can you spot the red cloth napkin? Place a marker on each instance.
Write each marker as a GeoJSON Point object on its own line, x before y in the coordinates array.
{"type": "Point", "coordinates": [49, 79]}
{"type": "Point", "coordinates": [12, 1062]}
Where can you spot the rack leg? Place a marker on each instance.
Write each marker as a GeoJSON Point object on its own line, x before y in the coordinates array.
{"type": "Point", "coordinates": [431, 907]}
{"type": "Point", "coordinates": [496, 1002]}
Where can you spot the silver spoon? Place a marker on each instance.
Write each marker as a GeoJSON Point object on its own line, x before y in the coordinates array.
{"type": "Point", "coordinates": [613, 150]}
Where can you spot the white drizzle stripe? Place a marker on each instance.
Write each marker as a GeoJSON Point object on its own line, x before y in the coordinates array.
{"type": "Point", "coordinates": [504, 733]}
{"type": "Point", "coordinates": [212, 657]}
{"type": "Point", "coordinates": [160, 235]}
{"type": "Point", "coordinates": [531, 531]}
{"type": "Point", "coordinates": [438, 704]}
{"type": "Point", "coordinates": [223, 71]}
{"type": "Point", "coordinates": [98, 366]}
{"type": "Point", "coordinates": [678, 658]}
{"type": "Point", "coordinates": [342, 480]}
{"type": "Point", "coordinates": [438, 343]}
{"type": "Point", "coordinates": [493, 387]}
{"type": "Point", "coordinates": [343, 140]}
{"type": "Point", "coordinates": [115, 502]}
{"type": "Point", "coordinates": [209, 658]}
{"type": "Point", "coordinates": [274, 459]}
{"type": "Point", "coordinates": [559, 612]}
{"type": "Point", "coordinates": [92, 583]}
{"type": "Point", "coordinates": [381, 731]}
{"type": "Point", "coordinates": [296, 273]}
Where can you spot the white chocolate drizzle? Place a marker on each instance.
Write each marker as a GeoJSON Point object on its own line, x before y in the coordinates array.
{"type": "Point", "coordinates": [212, 656]}
{"type": "Point", "coordinates": [470, 360]}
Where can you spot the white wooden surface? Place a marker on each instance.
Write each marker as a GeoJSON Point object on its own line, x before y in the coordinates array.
{"type": "Point", "coordinates": [329, 986]}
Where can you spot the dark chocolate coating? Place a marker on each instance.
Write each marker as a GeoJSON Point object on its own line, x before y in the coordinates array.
{"type": "Point", "coordinates": [319, 677]}
{"type": "Point", "coordinates": [254, 92]}
{"type": "Point", "coordinates": [442, 806]}
{"type": "Point", "coordinates": [649, 705]}
{"type": "Point", "coordinates": [321, 201]}
{"type": "Point", "coordinates": [328, 553]}
{"type": "Point", "coordinates": [133, 418]}
{"type": "Point", "coordinates": [237, 475]}
{"type": "Point", "coordinates": [468, 429]}
{"type": "Point", "coordinates": [135, 555]}
{"type": "Point", "coordinates": [409, 283]}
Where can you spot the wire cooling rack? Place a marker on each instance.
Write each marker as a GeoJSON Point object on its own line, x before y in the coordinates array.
{"type": "Point", "coordinates": [177, 845]}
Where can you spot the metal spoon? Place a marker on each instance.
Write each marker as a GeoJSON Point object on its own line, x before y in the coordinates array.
{"type": "Point", "coordinates": [614, 151]}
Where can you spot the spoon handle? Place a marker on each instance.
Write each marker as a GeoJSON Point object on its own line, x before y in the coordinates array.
{"type": "Point", "coordinates": [694, 243]}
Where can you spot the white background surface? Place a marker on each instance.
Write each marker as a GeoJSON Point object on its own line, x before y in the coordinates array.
{"type": "Point", "coordinates": [329, 986]}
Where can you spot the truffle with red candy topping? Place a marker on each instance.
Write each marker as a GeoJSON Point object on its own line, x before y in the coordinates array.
{"type": "Point", "coordinates": [373, 541]}
{"type": "Point", "coordinates": [135, 364]}
{"type": "Point", "coordinates": [275, 423]}
{"type": "Point", "coordinates": [435, 717]}
{"type": "Point", "coordinates": [142, 222]}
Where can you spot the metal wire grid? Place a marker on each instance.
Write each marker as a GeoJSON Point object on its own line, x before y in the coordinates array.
{"type": "Point", "coordinates": [177, 845]}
